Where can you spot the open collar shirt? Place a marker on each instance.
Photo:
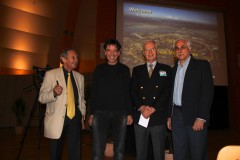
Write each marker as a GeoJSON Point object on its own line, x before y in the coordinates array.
{"type": "Point", "coordinates": [179, 80]}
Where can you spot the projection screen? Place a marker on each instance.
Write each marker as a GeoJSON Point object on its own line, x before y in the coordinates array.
{"type": "Point", "coordinates": [138, 22]}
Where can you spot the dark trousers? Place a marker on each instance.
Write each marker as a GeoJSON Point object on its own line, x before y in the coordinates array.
{"type": "Point", "coordinates": [187, 143]}
{"type": "Point", "coordinates": [72, 132]}
{"type": "Point", "coordinates": [158, 136]}
{"type": "Point", "coordinates": [102, 122]}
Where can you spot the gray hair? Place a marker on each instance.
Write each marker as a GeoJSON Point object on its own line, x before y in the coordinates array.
{"type": "Point", "coordinates": [64, 54]}
{"type": "Point", "coordinates": [152, 41]}
{"type": "Point", "coordinates": [188, 43]}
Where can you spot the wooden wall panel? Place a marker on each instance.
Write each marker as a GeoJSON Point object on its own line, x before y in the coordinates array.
{"type": "Point", "coordinates": [40, 7]}
{"type": "Point", "coordinates": [106, 24]}
{"type": "Point", "coordinates": [86, 66]}
{"type": "Point", "coordinates": [26, 22]}
{"type": "Point", "coordinates": [25, 35]}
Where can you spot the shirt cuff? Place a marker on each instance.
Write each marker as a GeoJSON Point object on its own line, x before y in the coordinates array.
{"type": "Point", "coordinates": [202, 119]}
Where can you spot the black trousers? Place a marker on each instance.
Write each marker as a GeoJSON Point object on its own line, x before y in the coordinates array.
{"type": "Point", "coordinates": [187, 143]}
{"type": "Point", "coordinates": [72, 131]}
{"type": "Point", "coordinates": [103, 121]}
{"type": "Point", "coordinates": [158, 137]}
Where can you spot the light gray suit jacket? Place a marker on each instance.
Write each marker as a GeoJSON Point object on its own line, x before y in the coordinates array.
{"type": "Point", "coordinates": [56, 106]}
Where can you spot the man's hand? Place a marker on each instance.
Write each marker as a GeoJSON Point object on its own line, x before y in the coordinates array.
{"type": "Point", "coordinates": [90, 120]}
{"type": "Point", "coordinates": [57, 90]}
{"type": "Point", "coordinates": [152, 110]}
{"type": "Point", "coordinates": [169, 123]}
{"type": "Point", "coordinates": [198, 124]}
{"type": "Point", "coordinates": [145, 110]}
{"type": "Point", "coordinates": [83, 124]}
{"type": "Point", "coordinates": [129, 120]}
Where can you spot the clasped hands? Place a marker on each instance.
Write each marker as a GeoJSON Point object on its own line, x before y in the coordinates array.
{"type": "Point", "coordinates": [146, 111]}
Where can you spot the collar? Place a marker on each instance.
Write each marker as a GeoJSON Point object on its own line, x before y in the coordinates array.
{"type": "Point", "coordinates": [65, 71]}
{"type": "Point", "coordinates": [153, 64]}
{"type": "Point", "coordinates": [186, 62]}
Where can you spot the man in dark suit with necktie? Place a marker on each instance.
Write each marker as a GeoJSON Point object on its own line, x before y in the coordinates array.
{"type": "Point", "coordinates": [150, 91]}
{"type": "Point", "coordinates": [192, 95]}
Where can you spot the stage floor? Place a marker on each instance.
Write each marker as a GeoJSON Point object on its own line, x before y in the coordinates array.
{"type": "Point", "coordinates": [10, 144]}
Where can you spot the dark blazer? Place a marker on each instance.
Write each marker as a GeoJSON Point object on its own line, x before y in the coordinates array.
{"type": "Point", "coordinates": [197, 93]}
{"type": "Point", "coordinates": [154, 91]}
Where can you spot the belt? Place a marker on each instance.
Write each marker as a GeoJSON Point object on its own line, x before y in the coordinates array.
{"type": "Point", "coordinates": [177, 107]}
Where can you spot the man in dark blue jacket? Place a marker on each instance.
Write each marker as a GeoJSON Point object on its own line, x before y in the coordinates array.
{"type": "Point", "coordinates": [192, 94]}
{"type": "Point", "coordinates": [150, 91]}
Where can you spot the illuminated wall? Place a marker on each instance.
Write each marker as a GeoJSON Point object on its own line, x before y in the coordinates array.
{"type": "Point", "coordinates": [26, 29]}
{"type": "Point", "coordinates": [33, 33]}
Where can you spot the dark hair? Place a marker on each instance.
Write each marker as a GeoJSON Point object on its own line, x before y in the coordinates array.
{"type": "Point", "coordinates": [112, 42]}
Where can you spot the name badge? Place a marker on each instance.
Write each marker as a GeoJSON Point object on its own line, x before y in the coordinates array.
{"type": "Point", "coordinates": [162, 73]}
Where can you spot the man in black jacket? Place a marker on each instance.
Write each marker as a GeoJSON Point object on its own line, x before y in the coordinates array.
{"type": "Point", "coordinates": [150, 91]}
{"type": "Point", "coordinates": [192, 95]}
{"type": "Point", "coordinates": [110, 103]}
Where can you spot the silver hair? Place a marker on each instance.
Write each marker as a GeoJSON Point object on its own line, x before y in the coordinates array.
{"type": "Point", "coordinates": [188, 43]}
{"type": "Point", "coordinates": [64, 54]}
{"type": "Point", "coordinates": [152, 41]}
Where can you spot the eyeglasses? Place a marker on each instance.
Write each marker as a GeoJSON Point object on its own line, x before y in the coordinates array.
{"type": "Point", "coordinates": [183, 47]}
{"type": "Point", "coordinates": [151, 49]}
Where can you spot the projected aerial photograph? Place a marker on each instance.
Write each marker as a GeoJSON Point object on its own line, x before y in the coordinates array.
{"type": "Point", "coordinates": [166, 25]}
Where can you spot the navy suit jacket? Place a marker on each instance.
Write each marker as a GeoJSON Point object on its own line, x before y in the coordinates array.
{"type": "Point", "coordinates": [154, 91]}
{"type": "Point", "coordinates": [197, 93]}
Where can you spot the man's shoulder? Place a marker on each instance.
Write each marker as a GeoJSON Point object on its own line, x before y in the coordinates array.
{"type": "Point", "coordinates": [123, 66]}
{"type": "Point", "coordinates": [76, 73]}
{"type": "Point", "coordinates": [141, 66]}
{"type": "Point", "coordinates": [165, 66]}
{"type": "Point", "coordinates": [200, 62]}
{"type": "Point", "coordinates": [53, 71]}
{"type": "Point", "coordinates": [101, 66]}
